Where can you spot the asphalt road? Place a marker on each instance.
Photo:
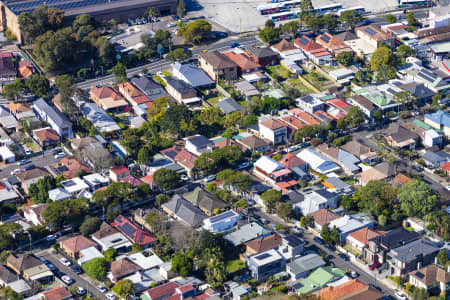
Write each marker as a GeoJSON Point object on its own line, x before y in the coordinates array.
{"type": "Point", "coordinates": [79, 281]}
{"type": "Point", "coordinates": [38, 161]}
{"type": "Point", "coordinates": [365, 276]}
{"type": "Point", "coordinates": [164, 65]}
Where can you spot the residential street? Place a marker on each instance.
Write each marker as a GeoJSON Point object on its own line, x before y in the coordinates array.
{"type": "Point", "coordinates": [79, 281]}
{"type": "Point", "coordinates": [39, 161]}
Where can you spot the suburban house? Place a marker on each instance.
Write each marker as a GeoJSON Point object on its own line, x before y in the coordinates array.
{"type": "Point", "coordinates": [54, 118]}
{"type": "Point", "coordinates": [382, 171]}
{"type": "Point", "coordinates": [317, 161]}
{"type": "Point", "coordinates": [192, 75]}
{"type": "Point", "coordinates": [206, 201]}
{"type": "Point", "coordinates": [323, 217]}
{"type": "Point", "coordinates": [273, 130]}
{"type": "Point", "coordinates": [315, 200]}
{"type": "Point", "coordinates": [29, 177]}
{"type": "Point", "coordinates": [350, 290]}
{"type": "Point", "coordinates": [185, 159]}
{"type": "Point", "coordinates": [108, 237]}
{"type": "Point", "coordinates": [30, 268]}
{"type": "Point", "coordinates": [265, 264]}
{"type": "Point", "coordinates": [439, 120]}
{"type": "Point", "coordinates": [59, 194]}
{"type": "Point", "coordinates": [262, 244]}
{"type": "Point", "coordinates": [95, 181]}
{"type": "Point", "coordinates": [107, 98]}
{"type": "Point", "coordinates": [228, 106]}
{"type": "Point", "coordinates": [8, 71]}
{"type": "Point", "coordinates": [435, 279]}
{"type": "Point", "coordinates": [435, 159]}
{"type": "Point", "coordinates": [316, 280]}
{"type": "Point", "coordinates": [350, 223]}
{"type": "Point", "coordinates": [270, 170]}
{"type": "Point", "coordinates": [6, 276]}
{"type": "Point", "coordinates": [122, 268]}
{"type": "Point", "coordinates": [74, 245]}
{"type": "Point", "coordinates": [430, 137]}
{"type": "Point", "coordinates": [302, 266]}
{"type": "Point", "coordinates": [57, 293]}
{"type": "Point", "coordinates": [337, 185]}
{"type": "Point", "coordinates": [184, 211]}
{"type": "Point", "coordinates": [218, 66]}
{"type": "Point", "coordinates": [199, 144]}
{"type": "Point", "coordinates": [133, 232]}
{"type": "Point", "coordinates": [244, 63]}
{"type": "Point", "coordinates": [247, 233]}
{"type": "Point", "coordinates": [221, 222]}
{"type": "Point", "coordinates": [263, 56]}
{"type": "Point", "coordinates": [117, 173]}
{"type": "Point", "coordinates": [310, 104]}
{"type": "Point", "coordinates": [150, 88]}
{"type": "Point", "coordinates": [380, 245]}
{"type": "Point", "coordinates": [367, 107]}
{"type": "Point", "coordinates": [101, 120]}
{"type": "Point", "coordinates": [132, 94]}
{"type": "Point", "coordinates": [46, 137]}
{"type": "Point", "coordinates": [346, 160]}
{"type": "Point", "coordinates": [365, 154]}
{"type": "Point", "coordinates": [254, 144]}
{"type": "Point", "coordinates": [314, 51]}
{"type": "Point", "coordinates": [71, 167]}
{"type": "Point", "coordinates": [429, 78]}
{"type": "Point", "coordinates": [398, 136]}
{"type": "Point", "coordinates": [408, 257]}
{"type": "Point", "coordinates": [247, 89]}
{"type": "Point", "coordinates": [333, 44]}
{"type": "Point", "coordinates": [181, 91]}
{"type": "Point", "coordinates": [33, 213]}
{"type": "Point", "coordinates": [21, 111]}
{"type": "Point", "coordinates": [374, 36]}
{"type": "Point", "coordinates": [359, 239]}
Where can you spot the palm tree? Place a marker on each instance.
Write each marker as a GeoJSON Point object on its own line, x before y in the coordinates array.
{"type": "Point", "coordinates": [153, 12]}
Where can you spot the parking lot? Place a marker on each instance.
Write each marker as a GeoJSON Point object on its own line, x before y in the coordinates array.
{"type": "Point", "coordinates": [242, 15]}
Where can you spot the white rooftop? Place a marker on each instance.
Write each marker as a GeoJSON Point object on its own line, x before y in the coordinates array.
{"type": "Point", "coordinates": [95, 178]}
{"type": "Point", "coordinates": [88, 254]}
{"type": "Point", "coordinates": [146, 262]}
{"type": "Point", "coordinates": [266, 257]}
{"type": "Point", "coordinates": [268, 164]}
{"type": "Point", "coordinates": [74, 185]}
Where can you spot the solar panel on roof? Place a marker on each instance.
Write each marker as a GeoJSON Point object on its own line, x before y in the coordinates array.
{"type": "Point", "coordinates": [69, 183]}
{"type": "Point", "coordinates": [369, 31]}
{"type": "Point", "coordinates": [263, 256]}
{"type": "Point", "coordinates": [420, 275]}
{"type": "Point", "coordinates": [303, 41]}
{"type": "Point", "coordinates": [119, 218]}
{"type": "Point", "coordinates": [220, 217]}
{"type": "Point", "coordinates": [128, 229]}
{"type": "Point", "coordinates": [325, 38]}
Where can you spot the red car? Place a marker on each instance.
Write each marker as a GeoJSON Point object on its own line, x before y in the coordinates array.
{"type": "Point", "coordinates": [374, 265]}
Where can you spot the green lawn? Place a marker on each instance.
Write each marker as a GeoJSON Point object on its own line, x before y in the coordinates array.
{"type": "Point", "coordinates": [32, 146]}
{"type": "Point", "coordinates": [296, 83]}
{"type": "Point", "coordinates": [159, 79]}
{"type": "Point", "coordinates": [318, 81]}
{"type": "Point", "coordinates": [234, 266]}
{"type": "Point", "coordinates": [213, 100]}
{"type": "Point", "coordinates": [279, 70]}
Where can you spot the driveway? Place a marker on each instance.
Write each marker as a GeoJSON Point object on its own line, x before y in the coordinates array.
{"type": "Point", "coordinates": [79, 281]}
{"type": "Point", "coordinates": [38, 161]}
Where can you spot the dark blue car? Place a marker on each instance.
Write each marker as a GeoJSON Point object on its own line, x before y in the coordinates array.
{"type": "Point", "coordinates": [318, 240]}
{"type": "Point", "coordinates": [234, 45]}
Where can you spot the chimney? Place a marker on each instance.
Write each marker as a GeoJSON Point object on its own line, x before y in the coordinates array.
{"type": "Point", "coordinates": [435, 260]}
{"type": "Point", "coordinates": [419, 265]}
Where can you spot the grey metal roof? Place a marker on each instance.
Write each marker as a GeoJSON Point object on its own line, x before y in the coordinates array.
{"type": "Point", "coordinates": [199, 141]}
{"type": "Point", "coordinates": [52, 113]}
{"type": "Point", "coordinates": [228, 105]}
{"type": "Point", "coordinates": [193, 75]}
{"type": "Point", "coordinates": [436, 157]}
{"type": "Point", "coordinates": [99, 118]}
{"type": "Point", "coordinates": [396, 238]}
{"type": "Point", "coordinates": [338, 183]}
{"type": "Point", "coordinates": [409, 252]}
{"type": "Point", "coordinates": [306, 263]}
{"type": "Point", "coordinates": [185, 210]}
{"type": "Point", "coordinates": [179, 85]}
{"type": "Point", "coordinates": [150, 88]}
{"type": "Point", "coordinates": [247, 233]}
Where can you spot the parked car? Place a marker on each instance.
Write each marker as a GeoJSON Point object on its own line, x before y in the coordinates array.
{"type": "Point", "coordinates": [344, 256]}
{"type": "Point", "coordinates": [209, 178]}
{"type": "Point", "coordinates": [101, 288]}
{"type": "Point", "coordinates": [244, 165]}
{"type": "Point", "coordinates": [110, 296]}
{"type": "Point", "coordinates": [59, 155]}
{"type": "Point", "coordinates": [184, 177]}
{"type": "Point", "coordinates": [234, 45]}
{"type": "Point", "coordinates": [28, 152]}
{"type": "Point", "coordinates": [76, 269]}
{"type": "Point", "coordinates": [24, 162]}
{"type": "Point", "coordinates": [65, 262]}
{"type": "Point", "coordinates": [375, 265]}
{"type": "Point", "coordinates": [354, 274]}
{"type": "Point", "coordinates": [51, 266]}
{"type": "Point", "coordinates": [51, 237]}
{"type": "Point", "coordinates": [29, 167]}
{"type": "Point", "coordinates": [66, 279]}
{"type": "Point", "coordinates": [81, 291]}
{"type": "Point", "coordinates": [400, 295]}
{"type": "Point", "coordinates": [14, 172]}
{"type": "Point", "coordinates": [170, 25]}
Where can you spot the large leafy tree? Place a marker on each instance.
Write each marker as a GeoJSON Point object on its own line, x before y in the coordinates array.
{"type": "Point", "coordinates": [377, 197]}
{"type": "Point", "coordinates": [196, 31]}
{"type": "Point", "coordinates": [90, 225]}
{"type": "Point", "coordinates": [271, 198]}
{"type": "Point", "coordinates": [417, 198]}
{"type": "Point", "coordinates": [382, 57]}
{"type": "Point", "coordinates": [182, 264]}
{"type": "Point", "coordinates": [351, 17]}
{"type": "Point", "coordinates": [96, 268]}
{"type": "Point", "coordinates": [124, 288]}
{"type": "Point", "coordinates": [166, 179]}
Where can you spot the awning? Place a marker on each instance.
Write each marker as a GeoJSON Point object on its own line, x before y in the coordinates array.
{"type": "Point", "coordinates": [41, 275]}
{"type": "Point", "coordinates": [191, 100]}
{"type": "Point", "coordinates": [281, 172]}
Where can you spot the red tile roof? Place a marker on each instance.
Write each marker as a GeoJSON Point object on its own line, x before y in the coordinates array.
{"type": "Point", "coordinates": [310, 46]}
{"type": "Point", "coordinates": [132, 180]}
{"type": "Point", "coordinates": [402, 178]}
{"type": "Point", "coordinates": [162, 291]}
{"type": "Point", "coordinates": [123, 267]}
{"type": "Point", "coordinates": [119, 170]}
{"type": "Point", "coordinates": [306, 117]}
{"type": "Point", "coordinates": [130, 90]}
{"type": "Point", "coordinates": [242, 60]}
{"type": "Point", "coordinates": [272, 124]}
{"type": "Point", "coordinates": [186, 159]}
{"type": "Point", "coordinates": [77, 243]}
{"type": "Point", "coordinates": [347, 289]}
{"type": "Point", "coordinates": [324, 216]}
{"type": "Point", "coordinates": [338, 103]}
{"type": "Point", "coordinates": [73, 167]}
{"type": "Point", "coordinates": [57, 293]}
{"type": "Point", "coordinates": [264, 243]}
{"type": "Point", "coordinates": [46, 134]}
{"type": "Point", "coordinates": [283, 46]}
{"type": "Point", "coordinates": [105, 92]}
{"type": "Point", "coordinates": [25, 69]}
{"type": "Point", "coordinates": [133, 232]}
{"type": "Point", "coordinates": [293, 121]}
{"type": "Point", "coordinates": [364, 234]}
{"type": "Point", "coordinates": [445, 166]}
{"type": "Point", "coordinates": [291, 161]}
